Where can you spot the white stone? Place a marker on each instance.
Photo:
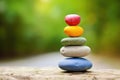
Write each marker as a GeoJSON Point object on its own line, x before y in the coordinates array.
{"type": "Point", "coordinates": [75, 51]}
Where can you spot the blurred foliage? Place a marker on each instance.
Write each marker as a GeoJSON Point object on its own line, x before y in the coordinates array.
{"type": "Point", "coordinates": [36, 26]}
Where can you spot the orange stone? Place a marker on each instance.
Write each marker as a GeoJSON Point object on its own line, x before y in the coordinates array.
{"type": "Point", "coordinates": [73, 31]}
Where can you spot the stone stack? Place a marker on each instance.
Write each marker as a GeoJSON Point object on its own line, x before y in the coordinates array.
{"type": "Point", "coordinates": [74, 46]}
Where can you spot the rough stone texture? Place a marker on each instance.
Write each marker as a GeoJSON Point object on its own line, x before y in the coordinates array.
{"type": "Point", "coordinates": [29, 73]}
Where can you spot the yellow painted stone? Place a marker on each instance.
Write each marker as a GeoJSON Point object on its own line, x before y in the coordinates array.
{"type": "Point", "coordinates": [73, 31]}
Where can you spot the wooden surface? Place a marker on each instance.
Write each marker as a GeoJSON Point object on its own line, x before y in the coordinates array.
{"type": "Point", "coordinates": [29, 73]}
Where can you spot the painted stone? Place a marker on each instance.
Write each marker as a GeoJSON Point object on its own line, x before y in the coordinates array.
{"type": "Point", "coordinates": [73, 41]}
{"type": "Point", "coordinates": [73, 31]}
{"type": "Point", "coordinates": [75, 64]}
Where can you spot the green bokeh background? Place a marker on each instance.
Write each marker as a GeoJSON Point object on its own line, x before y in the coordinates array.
{"type": "Point", "coordinates": [36, 26]}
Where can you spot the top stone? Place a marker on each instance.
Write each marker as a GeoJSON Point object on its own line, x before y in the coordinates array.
{"type": "Point", "coordinates": [72, 19]}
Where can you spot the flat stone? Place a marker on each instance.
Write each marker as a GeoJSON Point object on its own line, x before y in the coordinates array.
{"type": "Point", "coordinates": [75, 64]}
{"type": "Point", "coordinates": [75, 51]}
{"type": "Point", "coordinates": [52, 73]}
{"type": "Point", "coordinates": [73, 41]}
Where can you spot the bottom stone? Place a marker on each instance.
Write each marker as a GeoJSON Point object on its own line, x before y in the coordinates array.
{"type": "Point", "coordinates": [75, 64]}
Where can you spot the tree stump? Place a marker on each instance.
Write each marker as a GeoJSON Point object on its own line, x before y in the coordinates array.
{"type": "Point", "coordinates": [33, 73]}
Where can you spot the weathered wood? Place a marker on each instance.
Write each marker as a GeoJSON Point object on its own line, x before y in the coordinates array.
{"type": "Point", "coordinates": [29, 73]}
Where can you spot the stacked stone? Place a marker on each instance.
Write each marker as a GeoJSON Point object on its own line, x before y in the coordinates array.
{"type": "Point", "coordinates": [74, 46]}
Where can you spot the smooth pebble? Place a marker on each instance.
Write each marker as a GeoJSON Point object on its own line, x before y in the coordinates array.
{"type": "Point", "coordinates": [73, 41]}
{"type": "Point", "coordinates": [75, 51]}
{"type": "Point", "coordinates": [75, 64]}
